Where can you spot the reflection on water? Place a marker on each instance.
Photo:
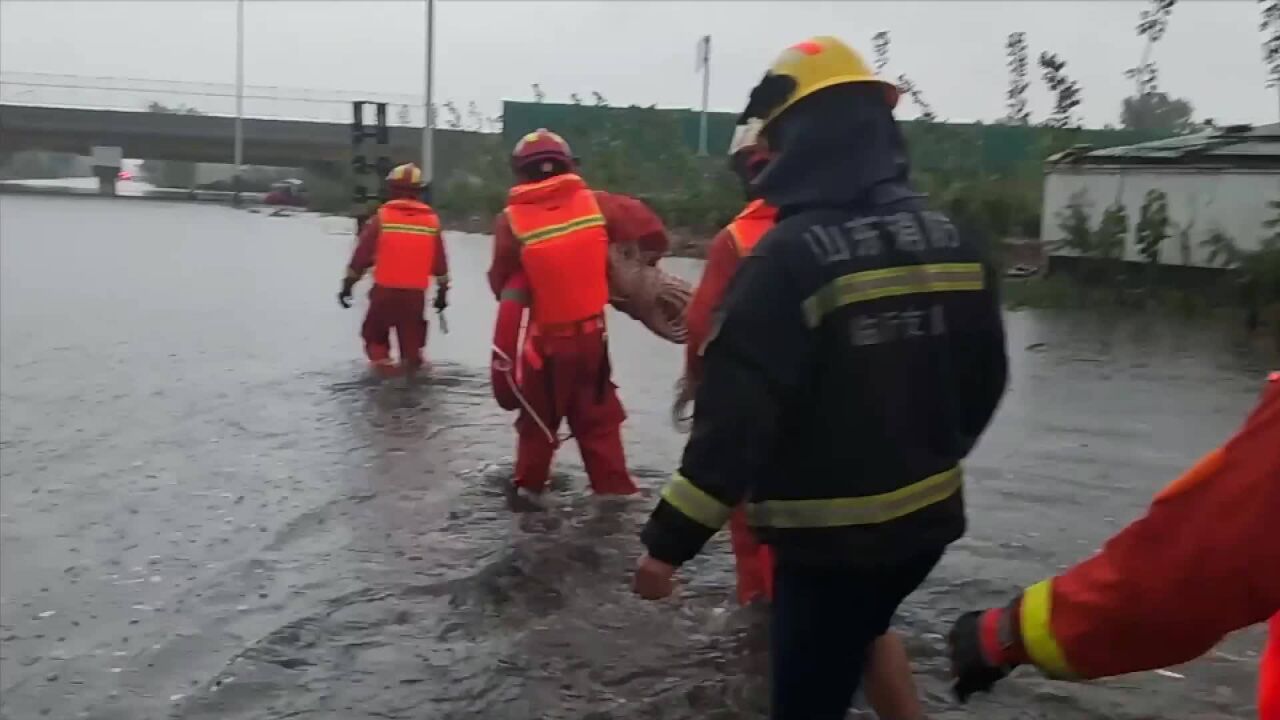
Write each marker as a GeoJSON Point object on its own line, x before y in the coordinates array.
{"type": "Point", "coordinates": [208, 511]}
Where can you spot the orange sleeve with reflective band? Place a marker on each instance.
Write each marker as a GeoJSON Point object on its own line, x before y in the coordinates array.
{"type": "Point", "coordinates": [1199, 564]}
{"type": "Point", "coordinates": [722, 262]}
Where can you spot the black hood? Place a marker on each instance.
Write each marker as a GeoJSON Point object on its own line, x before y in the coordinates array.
{"type": "Point", "coordinates": [839, 147]}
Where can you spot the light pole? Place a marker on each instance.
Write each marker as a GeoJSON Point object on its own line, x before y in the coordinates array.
{"type": "Point", "coordinates": [239, 141]}
{"type": "Point", "coordinates": [429, 122]}
{"type": "Point", "coordinates": [704, 62]}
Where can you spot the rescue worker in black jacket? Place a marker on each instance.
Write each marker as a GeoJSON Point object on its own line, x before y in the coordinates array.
{"type": "Point", "coordinates": [857, 356]}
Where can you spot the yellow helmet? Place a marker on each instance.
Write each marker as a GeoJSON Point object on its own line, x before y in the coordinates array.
{"type": "Point", "coordinates": [819, 63]}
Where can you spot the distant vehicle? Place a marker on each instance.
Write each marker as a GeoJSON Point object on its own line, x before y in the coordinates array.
{"type": "Point", "coordinates": [290, 193]}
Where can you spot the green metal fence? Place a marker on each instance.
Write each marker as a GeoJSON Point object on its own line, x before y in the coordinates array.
{"type": "Point", "coordinates": [964, 147]}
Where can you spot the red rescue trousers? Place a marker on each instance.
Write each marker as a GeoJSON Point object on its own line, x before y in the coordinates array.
{"type": "Point", "coordinates": [568, 379]}
{"type": "Point", "coordinates": [753, 560]}
{"type": "Point", "coordinates": [396, 309]}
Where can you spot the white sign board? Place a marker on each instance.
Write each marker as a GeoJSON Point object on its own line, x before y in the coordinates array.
{"type": "Point", "coordinates": [107, 156]}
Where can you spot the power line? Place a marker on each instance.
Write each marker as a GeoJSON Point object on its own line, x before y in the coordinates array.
{"type": "Point", "coordinates": [79, 82]}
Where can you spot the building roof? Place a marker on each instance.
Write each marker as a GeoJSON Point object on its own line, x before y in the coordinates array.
{"type": "Point", "coordinates": [1236, 146]}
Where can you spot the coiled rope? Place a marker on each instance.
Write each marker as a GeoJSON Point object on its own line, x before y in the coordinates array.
{"type": "Point", "coordinates": [648, 294]}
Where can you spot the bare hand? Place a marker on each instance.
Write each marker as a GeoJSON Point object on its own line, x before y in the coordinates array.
{"type": "Point", "coordinates": [654, 579]}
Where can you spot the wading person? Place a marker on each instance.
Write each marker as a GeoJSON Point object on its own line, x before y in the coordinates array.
{"type": "Point", "coordinates": [557, 231]}
{"type": "Point", "coordinates": [856, 358]}
{"type": "Point", "coordinates": [403, 244]}
{"type": "Point", "coordinates": [1202, 562]}
{"type": "Point", "coordinates": [889, 685]}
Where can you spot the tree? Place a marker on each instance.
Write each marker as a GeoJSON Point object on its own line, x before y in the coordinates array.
{"type": "Point", "coordinates": [1018, 65]}
{"type": "Point", "coordinates": [908, 87]}
{"type": "Point", "coordinates": [1073, 222]}
{"type": "Point", "coordinates": [1153, 225]}
{"type": "Point", "coordinates": [1271, 45]}
{"type": "Point", "coordinates": [475, 118]}
{"type": "Point", "coordinates": [880, 46]}
{"type": "Point", "coordinates": [1113, 228]}
{"type": "Point", "coordinates": [538, 95]}
{"type": "Point", "coordinates": [455, 117]}
{"type": "Point", "coordinates": [599, 100]}
{"type": "Point", "coordinates": [1158, 111]}
{"type": "Point", "coordinates": [1066, 92]}
{"type": "Point", "coordinates": [1148, 108]}
{"type": "Point", "coordinates": [1152, 23]}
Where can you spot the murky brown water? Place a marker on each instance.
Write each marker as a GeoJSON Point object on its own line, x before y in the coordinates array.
{"type": "Point", "coordinates": [207, 512]}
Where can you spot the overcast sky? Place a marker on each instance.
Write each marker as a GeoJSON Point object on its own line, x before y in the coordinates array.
{"type": "Point", "coordinates": [643, 52]}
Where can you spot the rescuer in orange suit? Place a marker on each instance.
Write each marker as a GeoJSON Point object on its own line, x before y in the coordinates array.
{"type": "Point", "coordinates": [1202, 562]}
{"type": "Point", "coordinates": [404, 245]}
{"type": "Point", "coordinates": [889, 685]}
{"type": "Point", "coordinates": [557, 230]}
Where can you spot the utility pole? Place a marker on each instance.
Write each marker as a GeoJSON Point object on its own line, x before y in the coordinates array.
{"type": "Point", "coordinates": [239, 141]}
{"type": "Point", "coordinates": [429, 122]}
{"type": "Point", "coordinates": [704, 63]}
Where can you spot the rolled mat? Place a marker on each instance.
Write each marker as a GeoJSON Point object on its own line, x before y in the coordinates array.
{"type": "Point", "coordinates": [646, 293]}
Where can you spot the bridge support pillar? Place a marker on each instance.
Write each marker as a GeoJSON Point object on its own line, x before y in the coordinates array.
{"type": "Point", "coordinates": [106, 167]}
{"type": "Point", "coordinates": [106, 179]}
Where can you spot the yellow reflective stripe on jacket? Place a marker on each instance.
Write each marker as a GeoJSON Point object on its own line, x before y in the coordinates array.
{"type": "Point", "coordinates": [695, 504]}
{"type": "Point", "coordinates": [891, 282]}
{"type": "Point", "coordinates": [1037, 631]}
{"type": "Point", "coordinates": [564, 228]}
{"type": "Point", "coordinates": [867, 510]}
{"type": "Point", "coordinates": [413, 229]}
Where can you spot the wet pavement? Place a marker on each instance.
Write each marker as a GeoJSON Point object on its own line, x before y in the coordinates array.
{"type": "Point", "coordinates": [207, 511]}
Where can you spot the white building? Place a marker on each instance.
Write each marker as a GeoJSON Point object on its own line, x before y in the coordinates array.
{"type": "Point", "coordinates": [1216, 182]}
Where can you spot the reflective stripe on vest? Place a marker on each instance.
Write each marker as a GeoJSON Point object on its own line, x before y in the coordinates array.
{"type": "Point", "coordinates": [865, 510]}
{"type": "Point", "coordinates": [891, 282]}
{"type": "Point", "coordinates": [750, 225]}
{"type": "Point", "coordinates": [564, 248]}
{"type": "Point", "coordinates": [1036, 627]}
{"type": "Point", "coordinates": [407, 240]}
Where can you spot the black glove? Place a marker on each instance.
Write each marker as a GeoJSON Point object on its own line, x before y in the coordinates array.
{"type": "Point", "coordinates": [442, 298]}
{"type": "Point", "coordinates": [344, 295]}
{"type": "Point", "coordinates": [970, 671]}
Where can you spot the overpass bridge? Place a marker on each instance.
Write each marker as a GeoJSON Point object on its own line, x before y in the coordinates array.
{"type": "Point", "coordinates": [282, 127]}
{"type": "Point", "coordinates": [194, 138]}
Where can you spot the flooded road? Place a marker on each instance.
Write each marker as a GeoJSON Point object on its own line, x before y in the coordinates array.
{"type": "Point", "coordinates": [206, 511]}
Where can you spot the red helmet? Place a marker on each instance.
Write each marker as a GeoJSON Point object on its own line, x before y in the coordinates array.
{"type": "Point", "coordinates": [539, 146]}
{"type": "Point", "coordinates": [406, 176]}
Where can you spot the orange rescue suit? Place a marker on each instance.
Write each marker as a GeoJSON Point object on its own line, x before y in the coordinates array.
{"type": "Point", "coordinates": [556, 233]}
{"type": "Point", "coordinates": [753, 561]}
{"type": "Point", "coordinates": [407, 241]}
{"type": "Point", "coordinates": [564, 248]}
{"type": "Point", "coordinates": [1202, 562]}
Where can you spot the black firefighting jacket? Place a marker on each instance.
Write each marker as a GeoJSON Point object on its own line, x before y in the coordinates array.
{"type": "Point", "coordinates": [858, 355]}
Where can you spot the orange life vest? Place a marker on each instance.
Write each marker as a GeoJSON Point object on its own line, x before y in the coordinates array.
{"type": "Point", "coordinates": [751, 224]}
{"type": "Point", "coordinates": [564, 248]}
{"type": "Point", "coordinates": [409, 232]}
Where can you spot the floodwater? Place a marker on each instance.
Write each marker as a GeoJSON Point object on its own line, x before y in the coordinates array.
{"type": "Point", "coordinates": [207, 511]}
